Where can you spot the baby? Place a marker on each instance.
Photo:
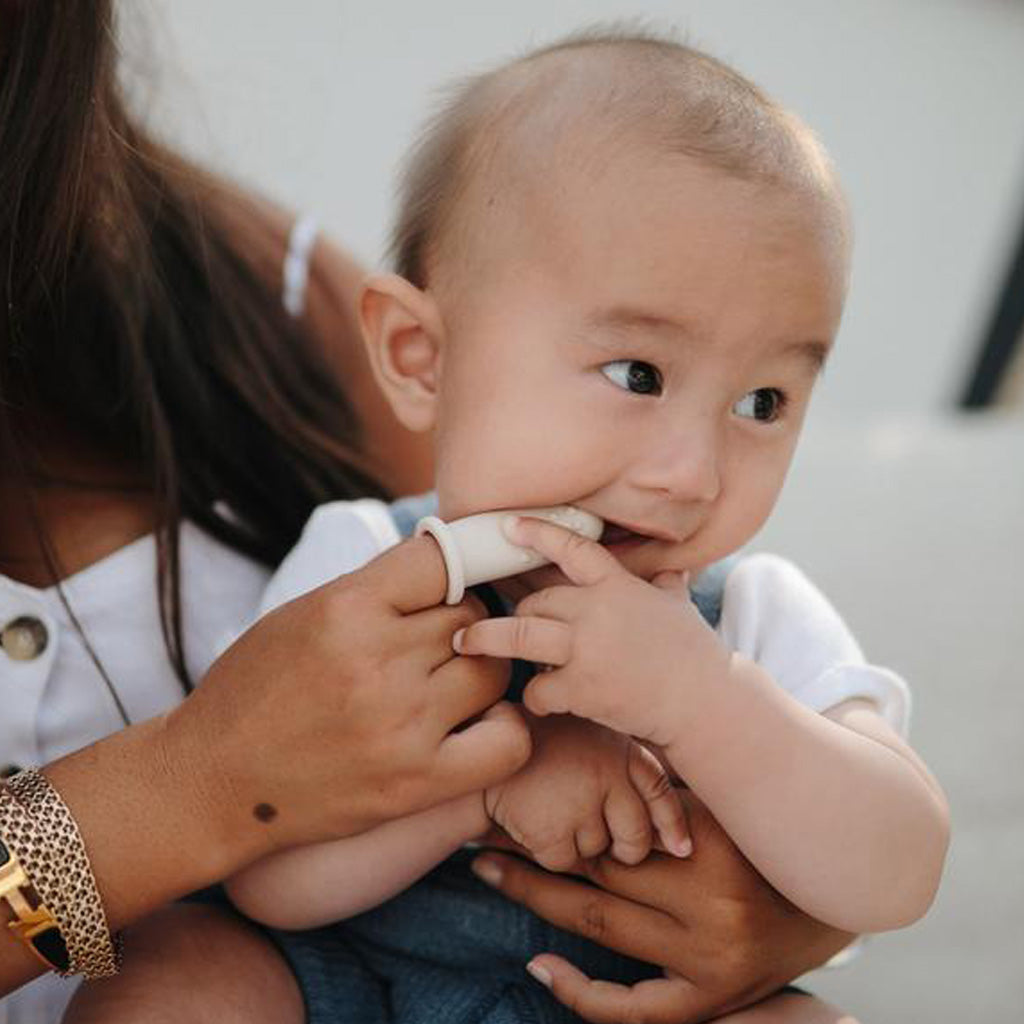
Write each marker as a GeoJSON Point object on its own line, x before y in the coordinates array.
{"type": "Point", "coordinates": [620, 270]}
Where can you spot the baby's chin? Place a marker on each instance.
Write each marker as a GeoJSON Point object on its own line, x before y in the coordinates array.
{"type": "Point", "coordinates": [646, 558]}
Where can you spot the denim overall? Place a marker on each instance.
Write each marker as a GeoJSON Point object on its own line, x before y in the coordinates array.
{"type": "Point", "coordinates": [451, 950]}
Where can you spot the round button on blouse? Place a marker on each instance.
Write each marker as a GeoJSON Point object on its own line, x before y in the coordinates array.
{"type": "Point", "coordinates": [24, 638]}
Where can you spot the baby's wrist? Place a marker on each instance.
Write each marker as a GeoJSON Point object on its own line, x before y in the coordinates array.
{"type": "Point", "coordinates": [717, 717]}
{"type": "Point", "coordinates": [707, 713]}
{"type": "Point", "coordinates": [689, 696]}
{"type": "Point", "coordinates": [476, 815]}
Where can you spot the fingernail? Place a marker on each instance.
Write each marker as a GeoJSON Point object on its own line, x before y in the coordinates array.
{"type": "Point", "coordinates": [681, 847]}
{"type": "Point", "coordinates": [511, 528]}
{"type": "Point", "coordinates": [487, 870]}
{"type": "Point", "coordinates": [457, 640]}
{"type": "Point", "coordinates": [540, 972]}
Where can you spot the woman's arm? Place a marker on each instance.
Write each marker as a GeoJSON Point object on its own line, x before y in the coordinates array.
{"type": "Point", "coordinates": [723, 936]}
{"type": "Point", "coordinates": [173, 804]}
{"type": "Point", "coordinates": [154, 826]}
{"type": "Point", "coordinates": [308, 886]}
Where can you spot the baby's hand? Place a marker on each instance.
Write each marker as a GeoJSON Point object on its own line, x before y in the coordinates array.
{"type": "Point", "coordinates": [634, 656]}
{"type": "Point", "coordinates": [586, 787]}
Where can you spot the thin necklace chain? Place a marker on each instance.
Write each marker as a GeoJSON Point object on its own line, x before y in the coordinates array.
{"type": "Point", "coordinates": [93, 657]}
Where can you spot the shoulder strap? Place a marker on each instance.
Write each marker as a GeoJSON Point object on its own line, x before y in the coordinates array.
{"type": "Point", "coordinates": [708, 588]}
{"type": "Point", "coordinates": [407, 512]}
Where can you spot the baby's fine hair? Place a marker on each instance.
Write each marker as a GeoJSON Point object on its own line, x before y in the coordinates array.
{"type": "Point", "coordinates": [626, 86]}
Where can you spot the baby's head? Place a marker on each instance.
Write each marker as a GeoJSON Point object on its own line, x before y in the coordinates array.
{"type": "Point", "coordinates": [620, 268]}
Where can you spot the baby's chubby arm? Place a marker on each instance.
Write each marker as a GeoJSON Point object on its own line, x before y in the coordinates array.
{"type": "Point", "coordinates": [835, 810]}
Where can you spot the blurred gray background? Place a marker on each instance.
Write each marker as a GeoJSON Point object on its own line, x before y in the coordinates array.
{"type": "Point", "coordinates": [910, 515]}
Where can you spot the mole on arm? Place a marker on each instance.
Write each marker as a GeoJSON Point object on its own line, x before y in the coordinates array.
{"type": "Point", "coordinates": [264, 812]}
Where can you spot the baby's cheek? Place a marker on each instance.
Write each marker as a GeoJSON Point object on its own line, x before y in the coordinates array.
{"type": "Point", "coordinates": [737, 524]}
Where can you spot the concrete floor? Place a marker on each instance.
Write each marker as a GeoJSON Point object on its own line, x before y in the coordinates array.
{"type": "Point", "coordinates": [916, 532]}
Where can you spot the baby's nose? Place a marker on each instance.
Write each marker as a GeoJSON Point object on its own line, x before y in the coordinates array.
{"type": "Point", "coordinates": [686, 466]}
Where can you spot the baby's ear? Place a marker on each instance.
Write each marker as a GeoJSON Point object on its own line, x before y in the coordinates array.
{"type": "Point", "coordinates": [403, 333]}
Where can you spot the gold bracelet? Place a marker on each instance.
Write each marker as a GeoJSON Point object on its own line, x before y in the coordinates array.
{"type": "Point", "coordinates": [64, 879]}
{"type": "Point", "coordinates": [34, 922]}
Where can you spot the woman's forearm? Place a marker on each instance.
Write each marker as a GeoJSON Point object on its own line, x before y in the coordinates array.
{"type": "Point", "coordinates": [151, 831]}
{"type": "Point", "coordinates": [846, 824]}
{"type": "Point", "coordinates": [311, 885]}
{"type": "Point", "coordinates": [154, 821]}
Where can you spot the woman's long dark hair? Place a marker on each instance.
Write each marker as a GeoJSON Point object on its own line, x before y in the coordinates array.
{"type": "Point", "coordinates": [131, 312]}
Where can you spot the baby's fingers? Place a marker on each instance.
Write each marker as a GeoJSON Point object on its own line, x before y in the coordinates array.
{"type": "Point", "coordinates": [629, 824]}
{"type": "Point", "coordinates": [582, 560]}
{"type": "Point", "coordinates": [592, 837]}
{"type": "Point", "coordinates": [556, 854]}
{"type": "Point", "coordinates": [654, 787]}
{"type": "Point", "coordinates": [543, 641]}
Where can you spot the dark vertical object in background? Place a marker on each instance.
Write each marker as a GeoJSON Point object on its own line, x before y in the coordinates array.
{"type": "Point", "coordinates": [1005, 335]}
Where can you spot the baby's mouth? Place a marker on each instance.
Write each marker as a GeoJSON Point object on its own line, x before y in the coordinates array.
{"type": "Point", "coordinates": [615, 534]}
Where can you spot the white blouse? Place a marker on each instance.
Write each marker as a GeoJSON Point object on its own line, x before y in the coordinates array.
{"type": "Point", "coordinates": [53, 698]}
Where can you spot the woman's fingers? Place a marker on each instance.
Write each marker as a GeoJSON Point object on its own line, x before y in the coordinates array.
{"type": "Point", "coordinates": [657, 1001]}
{"type": "Point", "coordinates": [582, 560]}
{"type": "Point", "coordinates": [481, 754]}
{"type": "Point", "coordinates": [409, 576]}
{"type": "Point", "coordinates": [652, 783]}
{"type": "Point", "coordinates": [464, 688]}
{"type": "Point", "coordinates": [630, 928]}
{"type": "Point", "coordinates": [427, 635]}
{"type": "Point", "coordinates": [543, 641]}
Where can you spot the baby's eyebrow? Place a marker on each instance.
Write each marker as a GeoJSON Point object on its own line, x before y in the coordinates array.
{"type": "Point", "coordinates": [813, 353]}
{"type": "Point", "coordinates": [627, 319]}
{"type": "Point", "coordinates": [606, 328]}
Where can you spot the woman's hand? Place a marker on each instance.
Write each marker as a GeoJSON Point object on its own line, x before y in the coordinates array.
{"type": "Point", "coordinates": [339, 710]}
{"type": "Point", "coordinates": [723, 937]}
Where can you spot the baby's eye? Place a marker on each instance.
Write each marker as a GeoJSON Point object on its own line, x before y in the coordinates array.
{"type": "Point", "coordinates": [634, 375]}
{"type": "Point", "coordinates": [764, 405]}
